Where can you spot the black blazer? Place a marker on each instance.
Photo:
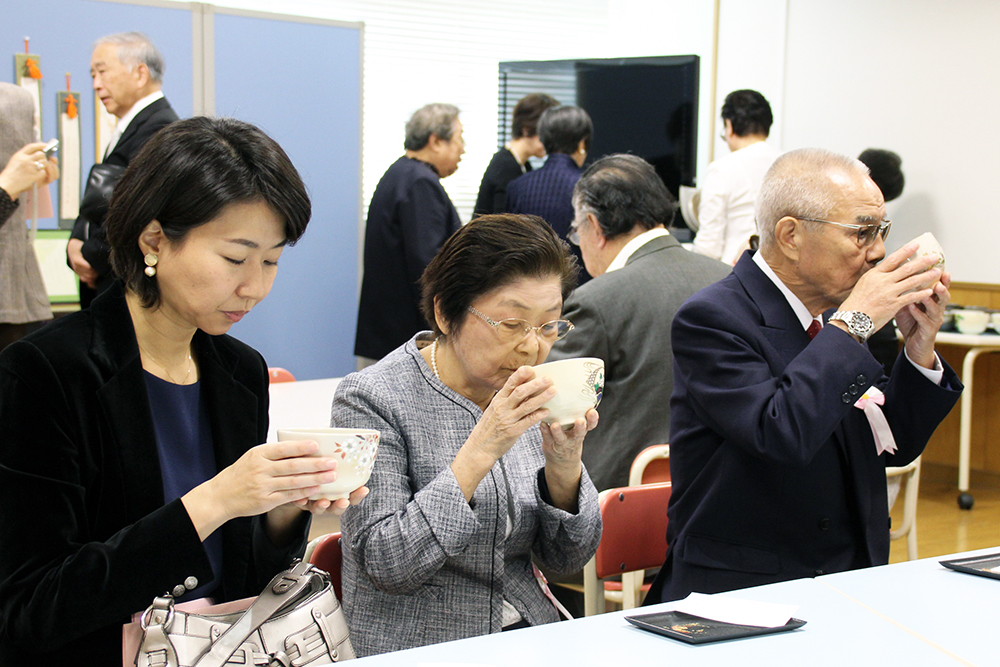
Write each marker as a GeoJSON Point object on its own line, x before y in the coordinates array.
{"type": "Point", "coordinates": [87, 539]}
{"type": "Point", "coordinates": [775, 472]}
{"type": "Point", "coordinates": [146, 123]}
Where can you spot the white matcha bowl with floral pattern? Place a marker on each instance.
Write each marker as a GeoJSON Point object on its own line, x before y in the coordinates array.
{"type": "Point", "coordinates": [353, 448]}
{"type": "Point", "coordinates": [579, 386]}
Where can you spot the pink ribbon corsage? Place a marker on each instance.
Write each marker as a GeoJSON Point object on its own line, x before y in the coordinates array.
{"type": "Point", "coordinates": [870, 402]}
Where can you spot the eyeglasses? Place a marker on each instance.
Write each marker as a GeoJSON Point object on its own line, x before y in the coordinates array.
{"type": "Point", "coordinates": [514, 329]}
{"type": "Point", "coordinates": [866, 233]}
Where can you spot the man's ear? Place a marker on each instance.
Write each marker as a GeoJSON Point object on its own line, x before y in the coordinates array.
{"type": "Point", "coordinates": [601, 239]}
{"type": "Point", "coordinates": [788, 237]}
{"type": "Point", "coordinates": [152, 239]}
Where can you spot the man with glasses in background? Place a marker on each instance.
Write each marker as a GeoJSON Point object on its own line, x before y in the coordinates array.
{"type": "Point", "coordinates": [782, 424]}
{"type": "Point", "coordinates": [642, 275]}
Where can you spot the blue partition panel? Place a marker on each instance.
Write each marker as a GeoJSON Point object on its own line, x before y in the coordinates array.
{"type": "Point", "coordinates": [301, 83]}
{"type": "Point", "coordinates": [62, 33]}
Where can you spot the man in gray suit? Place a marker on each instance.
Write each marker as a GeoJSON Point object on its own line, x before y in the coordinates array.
{"type": "Point", "coordinates": [641, 277]}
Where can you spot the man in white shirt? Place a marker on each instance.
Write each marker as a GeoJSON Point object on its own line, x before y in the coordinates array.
{"type": "Point", "coordinates": [782, 426]}
{"type": "Point", "coordinates": [641, 277]}
{"type": "Point", "coordinates": [127, 70]}
{"type": "Point", "coordinates": [731, 183]}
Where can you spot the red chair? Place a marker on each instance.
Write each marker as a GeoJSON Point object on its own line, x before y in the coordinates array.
{"type": "Point", "coordinates": [634, 539]}
{"type": "Point", "coordinates": [278, 374]}
{"type": "Point", "coordinates": [324, 552]}
{"type": "Point", "coordinates": [651, 466]}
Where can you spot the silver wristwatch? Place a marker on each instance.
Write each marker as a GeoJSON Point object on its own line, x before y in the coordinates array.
{"type": "Point", "coordinates": [858, 324]}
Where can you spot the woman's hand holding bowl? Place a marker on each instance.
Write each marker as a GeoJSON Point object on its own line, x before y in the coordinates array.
{"type": "Point", "coordinates": [263, 479]}
{"type": "Point", "coordinates": [515, 408]}
{"type": "Point", "coordinates": [563, 449]}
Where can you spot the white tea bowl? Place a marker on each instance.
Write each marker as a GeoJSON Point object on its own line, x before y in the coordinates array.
{"type": "Point", "coordinates": [353, 448]}
{"type": "Point", "coordinates": [971, 321]}
{"type": "Point", "coordinates": [579, 385]}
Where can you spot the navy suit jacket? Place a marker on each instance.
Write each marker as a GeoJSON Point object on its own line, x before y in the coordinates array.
{"type": "Point", "coordinates": [548, 193]}
{"type": "Point", "coordinates": [775, 472]}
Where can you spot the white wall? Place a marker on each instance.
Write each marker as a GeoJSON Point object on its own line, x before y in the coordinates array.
{"type": "Point", "coordinates": [918, 77]}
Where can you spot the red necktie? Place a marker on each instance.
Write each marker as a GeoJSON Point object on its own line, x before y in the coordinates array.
{"type": "Point", "coordinates": [813, 329]}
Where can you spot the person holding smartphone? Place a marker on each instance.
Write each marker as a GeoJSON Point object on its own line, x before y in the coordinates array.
{"type": "Point", "coordinates": [24, 303]}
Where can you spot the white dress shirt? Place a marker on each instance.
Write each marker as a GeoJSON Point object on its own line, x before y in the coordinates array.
{"type": "Point", "coordinates": [634, 244]}
{"type": "Point", "coordinates": [124, 121]}
{"type": "Point", "coordinates": [728, 195]}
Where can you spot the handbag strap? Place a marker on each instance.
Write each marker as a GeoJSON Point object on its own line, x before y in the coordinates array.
{"type": "Point", "coordinates": [284, 587]}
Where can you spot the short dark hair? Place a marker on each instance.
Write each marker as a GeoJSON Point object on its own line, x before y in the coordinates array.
{"type": "Point", "coordinates": [561, 129]}
{"type": "Point", "coordinates": [185, 176]}
{"type": "Point", "coordinates": [623, 191]}
{"type": "Point", "coordinates": [885, 169]}
{"type": "Point", "coordinates": [490, 252]}
{"type": "Point", "coordinates": [437, 119]}
{"type": "Point", "coordinates": [749, 113]}
{"type": "Point", "coordinates": [527, 112]}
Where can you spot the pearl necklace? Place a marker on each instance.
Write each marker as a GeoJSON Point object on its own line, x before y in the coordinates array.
{"type": "Point", "coordinates": [164, 368]}
{"type": "Point", "coordinates": [434, 364]}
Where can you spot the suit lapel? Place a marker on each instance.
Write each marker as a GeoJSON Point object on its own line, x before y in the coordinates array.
{"type": "Point", "coordinates": [780, 325]}
{"type": "Point", "coordinates": [138, 121]}
{"type": "Point", "coordinates": [227, 399]}
{"type": "Point", "coordinates": [116, 353]}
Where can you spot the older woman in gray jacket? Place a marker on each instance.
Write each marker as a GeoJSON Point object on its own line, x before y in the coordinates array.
{"type": "Point", "coordinates": [469, 483]}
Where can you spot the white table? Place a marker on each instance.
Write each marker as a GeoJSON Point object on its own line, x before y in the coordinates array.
{"type": "Point", "coordinates": [978, 344]}
{"type": "Point", "coordinates": [895, 615]}
{"type": "Point", "coordinates": [957, 612]}
{"type": "Point", "coordinates": [301, 404]}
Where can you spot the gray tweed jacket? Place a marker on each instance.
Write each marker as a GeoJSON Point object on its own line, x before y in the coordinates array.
{"type": "Point", "coordinates": [22, 293]}
{"type": "Point", "coordinates": [422, 565]}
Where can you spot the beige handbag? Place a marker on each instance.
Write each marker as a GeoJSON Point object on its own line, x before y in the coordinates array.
{"type": "Point", "coordinates": [297, 621]}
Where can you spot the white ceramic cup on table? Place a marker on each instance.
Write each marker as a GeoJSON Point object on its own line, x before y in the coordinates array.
{"type": "Point", "coordinates": [353, 448]}
{"type": "Point", "coordinates": [971, 321]}
{"type": "Point", "coordinates": [579, 385]}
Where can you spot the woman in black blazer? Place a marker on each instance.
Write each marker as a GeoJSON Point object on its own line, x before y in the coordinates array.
{"type": "Point", "coordinates": [130, 455]}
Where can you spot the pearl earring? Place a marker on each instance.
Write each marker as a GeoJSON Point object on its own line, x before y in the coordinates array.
{"type": "Point", "coordinates": [150, 260]}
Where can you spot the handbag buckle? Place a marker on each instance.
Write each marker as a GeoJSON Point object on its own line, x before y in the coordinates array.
{"type": "Point", "coordinates": [283, 585]}
{"type": "Point", "coordinates": [161, 612]}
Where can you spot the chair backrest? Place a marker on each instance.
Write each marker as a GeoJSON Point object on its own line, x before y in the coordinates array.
{"type": "Point", "coordinates": [908, 528]}
{"type": "Point", "coordinates": [278, 374]}
{"type": "Point", "coordinates": [651, 466]}
{"type": "Point", "coordinates": [327, 556]}
{"type": "Point", "coordinates": [635, 529]}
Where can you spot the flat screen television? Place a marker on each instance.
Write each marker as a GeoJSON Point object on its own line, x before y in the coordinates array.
{"type": "Point", "coordinates": [644, 106]}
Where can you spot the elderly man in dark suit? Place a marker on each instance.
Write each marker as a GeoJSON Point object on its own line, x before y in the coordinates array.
{"type": "Point", "coordinates": [409, 219]}
{"type": "Point", "coordinates": [782, 422]}
{"type": "Point", "coordinates": [642, 275]}
{"type": "Point", "coordinates": [127, 70]}
{"type": "Point", "coordinates": [565, 132]}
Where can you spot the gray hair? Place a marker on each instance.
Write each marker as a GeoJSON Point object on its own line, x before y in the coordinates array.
{"type": "Point", "coordinates": [135, 48]}
{"type": "Point", "coordinates": [799, 184]}
{"type": "Point", "coordinates": [436, 119]}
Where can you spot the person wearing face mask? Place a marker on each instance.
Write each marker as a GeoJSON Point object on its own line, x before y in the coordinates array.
{"type": "Point", "coordinates": [469, 486]}
{"type": "Point", "coordinates": [409, 218]}
{"type": "Point", "coordinates": [511, 161]}
{"type": "Point", "coordinates": [133, 428]}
